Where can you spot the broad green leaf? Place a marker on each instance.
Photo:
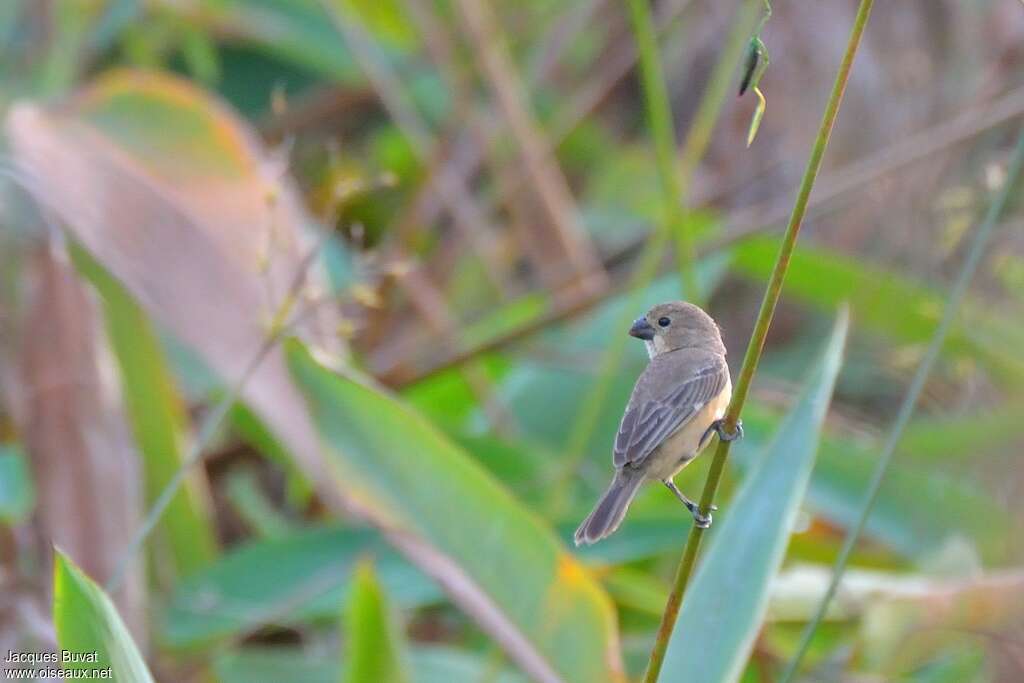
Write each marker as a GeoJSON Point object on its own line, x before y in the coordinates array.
{"type": "Point", "coordinates": [275, 664]}
{"type": "Point", "coordinates": [252, 504]}
{"type": "Point", "coordinates": [893, 304]}
{"type": "Point", "coordinates": [428, 664]}
{"type": "Point", "coordinates": [299, 577]}
{"type": "Point", "coordinates": [87, 622]}
{"type": "Point", "coordinates": [726, 602]}
{"type": "Point", "coordinates": [446, 512]}
{"type": "Point", "coordinates": [919, 507]}
{"type": "Point", "coordinates": [961, 438]}
{"type": "Point", "coordinates": [17, 494]}
{"type": "Point", "coordinates": [374, 647]}
{"type": "Point", "coordinates": [158, 420]}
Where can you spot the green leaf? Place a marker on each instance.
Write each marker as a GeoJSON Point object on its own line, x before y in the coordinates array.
{"type": "Point", "coordinates": [726, 602]}
{"type": "Point", "coordinates": [17, 494]}
{"type": "Point", "coordinates": [157, 417]}
{"type": "Point", "coordinates": [298, 577]}
{"type": "Point", "coordinates": [275, 664]}
{"type": "Point", "coordinates": [429, 664]}
{"type": "Point", "coordinates": [373, 641]}
{"type": "Point", "coordinates": [445, 511]}
{"type": "Point", "coordinates": [894, 305]}
{"type": "Point", "coordinates": [87, 622]}
{"type": "Point", "coordinates": [919, 508]}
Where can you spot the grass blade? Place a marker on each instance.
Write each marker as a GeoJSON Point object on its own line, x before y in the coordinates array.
{"type": "Point", "coordinates": [157, 418]}
{"type": "Point", "coordinates": [373, 641]}
{"type": "Point", "coordinates": [87, 622]}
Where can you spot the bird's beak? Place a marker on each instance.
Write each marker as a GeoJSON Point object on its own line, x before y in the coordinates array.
{"type": "Point", "coordinates": [642, 329]}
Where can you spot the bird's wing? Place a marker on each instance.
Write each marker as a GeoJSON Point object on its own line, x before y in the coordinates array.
{"type": "Point", "coordinates": [648, 422]}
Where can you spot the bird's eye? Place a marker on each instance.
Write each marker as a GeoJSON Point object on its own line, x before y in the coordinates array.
{"type": "Point", "coordinates": [664, 322]}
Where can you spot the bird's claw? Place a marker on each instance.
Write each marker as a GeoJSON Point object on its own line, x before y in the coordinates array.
{"type": "Point", "coordinates": [719, 428]}
{"type": "Point", "coordinates": [702, 521]}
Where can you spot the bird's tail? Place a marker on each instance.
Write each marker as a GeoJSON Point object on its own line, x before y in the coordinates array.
{"type": "Point", "coordinates": [609, 511]}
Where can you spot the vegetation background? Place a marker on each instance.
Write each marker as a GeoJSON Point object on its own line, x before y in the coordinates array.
{"type": "Point", "coordinates": [313, 337]}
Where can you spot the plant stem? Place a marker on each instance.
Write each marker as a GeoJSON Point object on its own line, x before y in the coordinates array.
{"type": "Point", "coordinates": [278, 329]}
{"type": "Point", "coordinates": [754, 349]}
{"type": "Point", "coordinates": [956, 296]}
{"type": "Point", "coordinates": [719, 85]}
{"type": "Point", "coordinates": [659, 120]}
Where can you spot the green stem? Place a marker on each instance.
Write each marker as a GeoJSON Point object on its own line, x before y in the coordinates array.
{"type": "Point", "coordinates": [659, 120]}
{"type": "Point", "coordinates": [753, 354]}
{"type": "Point", "coordinates": [956, 296]}
{"type": "Point", "coordinates": [211, 423]}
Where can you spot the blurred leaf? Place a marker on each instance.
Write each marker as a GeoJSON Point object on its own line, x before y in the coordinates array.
{"type": "Point", "coordinates": [966, 438]}
{"type": "Point", "coordinates": [254, 432]}
{"type": "Point", "coordinates": [275, 664]}
{"type": "Point", "coordinates": [387, 20]}
{"type": "Point", "coordinates": [253, 506]}
{"type": "Point", "coordinates": [87, 622]}
{"type": "Point", "coordinates": [440, 664]}
{"type": "Point", "coordinates": [726, 602]}
{"type": "Point", "coordinates": [919, 507]}
{"type": "Point", "coordinates": [636, 589]}
{"type": "Point", "coordinates": [299, 577]}
{"type": "Point", "coordinates": [74, 431]}
{"type": "Point", "coordinates": [173, 194]}
{"type": "Point", "coordinates": [17, 494]}
{"type": "Point", "coordinates": [428, 664]}
{"type": "Point", "coordinates": [893, 304]}
{"type": "Point", "coordinates": [374, 647]}
{"type": "Point", "coordinates": [158, 421]}
{"type": "Point", "coordinates": [457, 523]}
{"type": "Point", "coordinates": [937, 618]}
{"type": "Point", "coordinates": [296, 30]}
{"type": "Point", "coordinates": [301, 31]}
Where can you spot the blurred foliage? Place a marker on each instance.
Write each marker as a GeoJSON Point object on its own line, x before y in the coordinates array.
{"type": "Point", "coordinates": [187, 157]}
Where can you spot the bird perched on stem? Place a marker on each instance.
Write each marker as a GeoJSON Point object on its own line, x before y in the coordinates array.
{"type": "Point", "coordinates": [676, 405]}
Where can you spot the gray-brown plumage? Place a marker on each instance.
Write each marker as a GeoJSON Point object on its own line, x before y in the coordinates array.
{"type": "Point", "coordinates": [671, 414]}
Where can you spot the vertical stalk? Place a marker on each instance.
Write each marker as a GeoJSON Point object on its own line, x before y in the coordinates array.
{"type": "Point", "coordinates": [659, 120]}
{"type": "Point", "coordinates": [956, 297]}
{"type": "Point", "coordinates": [754, 349]}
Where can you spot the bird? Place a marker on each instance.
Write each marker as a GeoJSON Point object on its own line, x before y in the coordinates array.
{"type": "Point", "coordinates": [676, 406]}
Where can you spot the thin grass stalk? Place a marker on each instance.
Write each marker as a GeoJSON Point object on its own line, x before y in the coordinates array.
{"type": "Point", "coordinates": [956, 297]}
{"type": "Point", "coordinates": [279, 327]}
{"type": "Point", "coordinates": [698, 137]}
{"type": "Point", "coordinates": [659, 119]}
{"type": "Point", "coordinates": [754, 349]}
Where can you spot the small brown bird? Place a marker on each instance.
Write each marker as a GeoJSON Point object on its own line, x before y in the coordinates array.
{"type": "Point", "coordinates": [676, 404]}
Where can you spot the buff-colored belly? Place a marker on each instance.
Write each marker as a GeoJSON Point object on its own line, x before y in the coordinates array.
{"type": "Point", "coordinates": [685, 443]}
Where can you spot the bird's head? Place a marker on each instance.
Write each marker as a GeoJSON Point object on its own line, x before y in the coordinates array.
{"type": "Point", "coordinates": [677, 325]}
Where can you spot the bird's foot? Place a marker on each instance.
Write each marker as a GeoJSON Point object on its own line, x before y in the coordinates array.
{"type": "Point", "coordinates": [718, 427]}
{"type": "Point", "coordinates": [700, 519]}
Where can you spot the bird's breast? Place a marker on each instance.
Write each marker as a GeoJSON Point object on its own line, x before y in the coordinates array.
{"type": "Point", "coordinates": [684, 444]}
